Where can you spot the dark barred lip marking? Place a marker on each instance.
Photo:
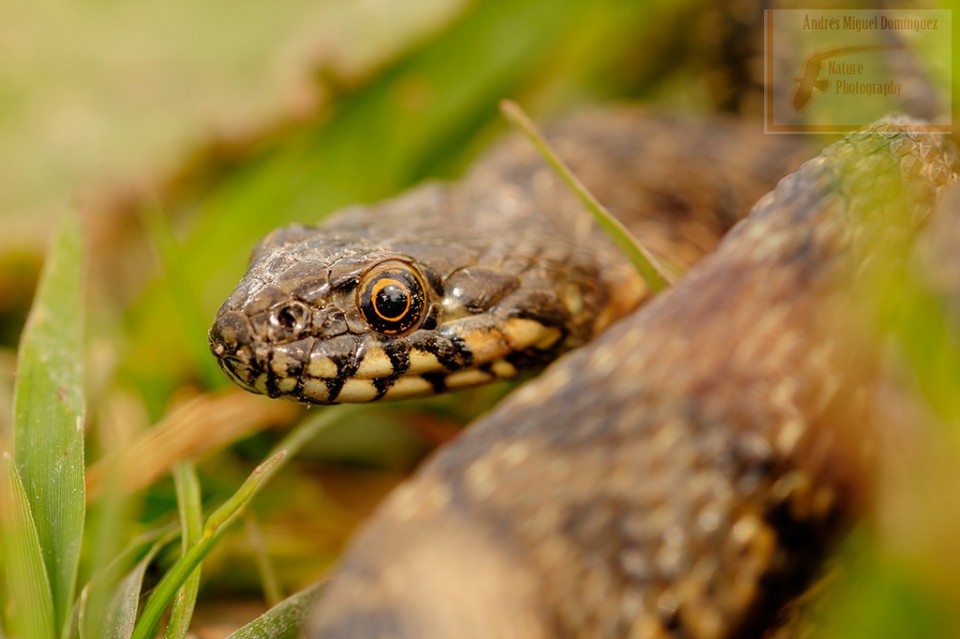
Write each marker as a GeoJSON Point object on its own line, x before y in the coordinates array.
{"type": "Point", "coordinates": [466, 355]}
{"type": "Point", "coordinates": [334, 386]}
{"type": "Point", "coordinates": [398, 351]}
{"type": "Point", "coordinates": [273, 381]}
{"type": "Point", "coordinates": [437, 380]}
{"type": "Point", "coordinates": [383, 384]}
{"type": "Point", "coordinates": [440, 347]}
{"type": "Point", "coordinates": [298, 389]}
{"type": "Point", "coordinates": [273, 390]}
{"type": "Point", "coordinates": [347, 365]}
{"type": "Point", "coordinates": [295, 355]}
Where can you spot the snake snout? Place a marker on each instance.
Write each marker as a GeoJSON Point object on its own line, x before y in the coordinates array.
{"type": "Point", "coordinates": [229, 331]}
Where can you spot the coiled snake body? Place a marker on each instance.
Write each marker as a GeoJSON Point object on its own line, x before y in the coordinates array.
{"type": "Point", "coordinates": [677, 476]}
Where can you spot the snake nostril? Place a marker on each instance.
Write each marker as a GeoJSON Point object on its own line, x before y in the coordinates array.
{"type": "Point", "coordinates": [292, 317]}
{"type": "Point", "coordinates": [287, 318]}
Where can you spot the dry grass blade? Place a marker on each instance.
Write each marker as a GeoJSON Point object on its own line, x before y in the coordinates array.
{"type": "Point", "coordinates": [196, 428]}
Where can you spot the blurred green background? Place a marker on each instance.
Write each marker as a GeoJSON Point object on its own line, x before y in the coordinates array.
{"type": "Point", "coordinates": [185, 131]}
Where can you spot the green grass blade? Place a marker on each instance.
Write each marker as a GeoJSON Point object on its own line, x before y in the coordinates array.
{"type": "Point", "coordinates": [272, 591]}
{"type": "Point", "coordinates": [646, 264]}
{"type": "Point", "coordinates": [49, 412]}
{"type": "Point", "coordinates": [191, 525]}
{"type": "Point", "coordinates": [312, 426]}
{"type": "Point", "coordinates": [113, 588]}
{"type": "Point", "coordinates": [216, 524]}
{"type": "Point", "coordinates": [285, 620]}
{"type": "Point", "coordinates": [111, 546]}
{"type": "Point", "coordinates": [29, 613]}
{"type": "Point", "coordinates": [122, 612]}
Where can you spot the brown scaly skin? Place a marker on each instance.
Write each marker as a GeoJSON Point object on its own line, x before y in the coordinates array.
{"type": "Point", "coordinates": [680, 475]}
{"type": "Point", "coordinates": [510, 242]}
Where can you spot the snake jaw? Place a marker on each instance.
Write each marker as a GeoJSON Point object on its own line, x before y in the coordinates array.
{"type": "Point", "coordinates": [315, 359]}
{"type": "Point", "coordinates": [238, 371]}
{"type": "Point", "coordinates": [291, 351]}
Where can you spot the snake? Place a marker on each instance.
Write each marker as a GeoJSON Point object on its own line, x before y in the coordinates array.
{"type": "Point", "coordinates": [686, 462]}
{"type": "Point", "coordinates": [449, 287]}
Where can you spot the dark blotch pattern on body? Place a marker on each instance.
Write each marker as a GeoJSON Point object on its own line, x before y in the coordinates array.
{"type": "Point", "coordinates": [683, 474]}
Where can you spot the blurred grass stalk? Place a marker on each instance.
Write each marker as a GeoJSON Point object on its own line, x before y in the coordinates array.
{"type": "Point", "coordinates": [49, 410]}
{"type": "Point", "coordinates": [218, 521]}
{"type": "Point", "coordinates": [42, 490]}
{"type": "Point", "coordinates": [652, 272]}
{"type": "Point", "coordinates": [898, 574]}
{"type": "Point", "coordinates": [191, 531]}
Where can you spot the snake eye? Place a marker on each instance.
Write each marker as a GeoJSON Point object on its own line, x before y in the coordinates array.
{"type": "Point", "coordinates": [391, 297]}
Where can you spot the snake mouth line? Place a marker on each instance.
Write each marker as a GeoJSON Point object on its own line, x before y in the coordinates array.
{"type": "Point", "coordinates": [464, 353]}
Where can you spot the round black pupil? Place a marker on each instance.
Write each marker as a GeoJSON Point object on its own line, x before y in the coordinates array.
{"type": "Point", "coordinates": [391, 301]}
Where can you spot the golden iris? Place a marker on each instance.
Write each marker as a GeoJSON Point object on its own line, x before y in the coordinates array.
{"type": "Point", "coordinates": [391, 297]}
